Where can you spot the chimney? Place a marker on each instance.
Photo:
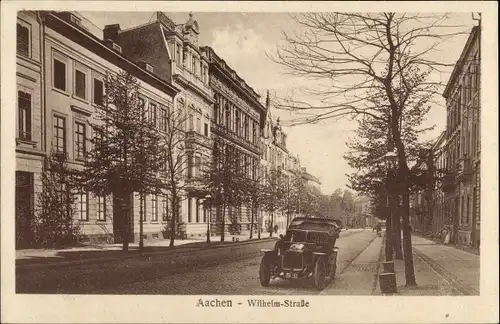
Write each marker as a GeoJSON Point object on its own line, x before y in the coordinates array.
{"type": "Point", "coordinates": [111, 31]}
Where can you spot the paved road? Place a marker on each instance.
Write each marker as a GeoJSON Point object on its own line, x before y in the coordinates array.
{"type": "Point", "coordinates": [241, 277]}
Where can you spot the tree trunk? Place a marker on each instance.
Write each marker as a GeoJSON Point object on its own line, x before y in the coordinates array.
{"type": "Point", "coordinates": [141, 221]}
{"type": "Point", "coordinates": [396, 225]}
{"type": "Point", "coordinates": [388, 236]}
{"type": "Point", "coordinates": [251, 221]}
{"type": "Point", "coordinates": [126, 230]}
{"type": "Point", "coordinates": [271, 225]}
{"type": "Point", "coordinates": [258, 222]}
{"type": "Point", "coordinates": [175, 212]}
{"type": "Point", "coordinates": [223, 222]}
{"type": "Point", "coordinates": [408, 253]}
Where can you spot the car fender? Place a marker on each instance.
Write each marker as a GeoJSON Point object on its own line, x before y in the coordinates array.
{"type": "Point", "coordinates": [269, 252]}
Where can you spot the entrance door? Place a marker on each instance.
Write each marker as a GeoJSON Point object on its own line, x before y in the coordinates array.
{"type": "Point", "coordinates": [121, 208]}
{"type": "Point", "coordinates": [24, 209]}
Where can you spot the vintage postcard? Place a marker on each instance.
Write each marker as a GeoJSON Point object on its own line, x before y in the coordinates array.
{"type": "Point", "coordinates": [278, 162]}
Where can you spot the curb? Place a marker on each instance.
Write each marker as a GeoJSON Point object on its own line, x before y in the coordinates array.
{"type": "Point", "coordinates": [456, 283]}
{"type": "Point", "coordinates": [380, 257]}
{"type": "Point", "coordinates": [61, 264]}
{"type": "Point", "coordinates": [99, 278]}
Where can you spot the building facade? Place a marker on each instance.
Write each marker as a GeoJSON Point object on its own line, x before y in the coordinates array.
{"type": "Point", "coordinates": [463, 143]}
{"type": "Point", "coordinates": [30, 135]}
{"type": "Point", "coordinates": [73, 65]}
{"type": "Point", "coordinates": [236, 127]}
{"type": "Point", "coordinates": [173, 50]}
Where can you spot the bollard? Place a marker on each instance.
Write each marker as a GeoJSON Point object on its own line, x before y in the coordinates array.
{"type": "Point", "coordinates": [387, 282]}
{"type": "Point", "coordinates": [388, 266]}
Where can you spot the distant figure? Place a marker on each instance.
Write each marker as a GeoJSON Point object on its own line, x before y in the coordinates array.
{"type": "Point", "coordinates": [379, 228]}
{"type": "Point", "coordinates": [276, 228]}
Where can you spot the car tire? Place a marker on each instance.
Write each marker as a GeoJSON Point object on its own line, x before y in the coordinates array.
{"type": "Point", "coordinates": [265, 271]}
{"type": "Point", "coordinates": [319, 274]}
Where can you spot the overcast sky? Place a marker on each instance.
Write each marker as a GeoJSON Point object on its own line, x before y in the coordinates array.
{"type": "Point", "coordinates": [243, 39]}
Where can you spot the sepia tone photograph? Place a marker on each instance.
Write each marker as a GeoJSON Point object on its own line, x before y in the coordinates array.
{"type": "Point", "coordinates": [260, 154]}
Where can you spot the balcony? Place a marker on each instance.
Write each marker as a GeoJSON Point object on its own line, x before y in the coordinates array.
{"type": "Point", "coordinates": [221, 130]}
{"type": "Point", "coordinates": [192, 137]}
{"type": "Point", "coordinates": [449, 182]}
{"type": "Point", "coordinates": [185, 76]}
{"type": "Point", "coordinates": [465, 170]}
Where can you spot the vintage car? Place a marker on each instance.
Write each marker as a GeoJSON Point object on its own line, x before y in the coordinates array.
{"type": "Point", "coordinates": [307, 251]}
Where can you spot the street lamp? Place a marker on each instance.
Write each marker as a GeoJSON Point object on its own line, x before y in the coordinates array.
{"type": "Point", "coordinates": [390, 159]}
{"type": "Point", "coordinates": [206, 204]}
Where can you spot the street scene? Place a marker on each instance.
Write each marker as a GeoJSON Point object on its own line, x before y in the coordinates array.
{"type": "Point", "coordinates": [211, 153]}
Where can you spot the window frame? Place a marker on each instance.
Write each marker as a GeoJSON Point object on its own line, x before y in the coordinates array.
{"type": "Point", "coordinates": [28, 26]}
{"type": "Point", "coordinates": [55, 126]}
{"type": "Point", "coordinates": [25, 135]}
{"type": "Point", "coordinates": [80, 205]}
{"type": "Point", "coordinates": [77, 68]}
{"type": "Point", "coordinates": [154, 208]}
{"type": "Point", "coordinates": [101, 208]}
{"type": "Point", "coordinates": [65, 61]}
{"type": "Point", "coordinates": [76, 123]}
{"type": "Point", "coordinates": [164, 201]}
{"type": "Point", "coordinates": [100, 79]}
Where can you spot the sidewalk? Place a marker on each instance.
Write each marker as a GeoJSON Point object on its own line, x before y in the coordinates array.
{"type": "Point", "coordinates": [360, 276]}
{"type": "Point", "coordinates": [457, 266]}
{"type": "Point", "coordinates": [440, 270]}
{"type": "Point", "coordinates": [103, 252]}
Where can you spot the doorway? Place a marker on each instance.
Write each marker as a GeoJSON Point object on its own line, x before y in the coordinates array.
{"type": "Point", "coordinates": [24, 209]}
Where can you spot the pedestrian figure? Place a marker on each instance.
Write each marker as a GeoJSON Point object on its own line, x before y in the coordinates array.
{"type": "Point", "coordinates": [275, 228]}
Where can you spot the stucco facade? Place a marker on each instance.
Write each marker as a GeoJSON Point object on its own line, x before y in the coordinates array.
{"type": "Point", "coordinates": [463, 143]}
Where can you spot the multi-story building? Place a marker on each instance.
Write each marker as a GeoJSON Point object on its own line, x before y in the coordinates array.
{"type": "Point", "coordinates": [440, 221]}
{"type": "Point", "coordinates": [73, 64]}
{"type": "Point", "coordinates": [277, 157]}
{"type": "Point", "coordinates": [462, 184]}
{"type": "Point", "coordinates": [30, 118]}
{"type": "Point", "coordinates": [172, 50]}
{"type": "Point", "coordinates": [236, 126]}
{"type": "Point", "coordinates": [428, 214]}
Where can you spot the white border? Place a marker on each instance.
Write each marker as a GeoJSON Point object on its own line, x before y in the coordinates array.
{"type": "Point", "coordinates": [99, 309]}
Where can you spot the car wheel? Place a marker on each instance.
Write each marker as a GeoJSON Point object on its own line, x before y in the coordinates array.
{"type": "Point", "coordinates": [319, 274]}
{"type": "Point", "coordinates": [265, 271]}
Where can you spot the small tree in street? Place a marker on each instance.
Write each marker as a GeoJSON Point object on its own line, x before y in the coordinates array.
{"type": "Point", "coordinates": [224, 181]}
{"type": "Point", "coordinates": [176, 154]}
{"type": "Point", "coordinates": [125, 157]}
{"type": "Point", "coordinates": [272, 195]}
{"type": "Point", "coordinates": [54, 223]}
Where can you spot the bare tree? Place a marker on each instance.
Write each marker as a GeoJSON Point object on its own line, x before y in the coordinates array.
{"type": "Point", "coordinates": [177, 155]}
{"type": "Point", "coordinates": [224, 180]}
{"type": "Point", "coordinates": [368, 64]}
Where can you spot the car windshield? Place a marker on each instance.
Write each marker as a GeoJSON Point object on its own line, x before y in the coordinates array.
{"type": "Point", "coordinates": [295, 236]}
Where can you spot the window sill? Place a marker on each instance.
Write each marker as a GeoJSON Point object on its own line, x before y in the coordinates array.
{"type": "Point", "coordinates": [25, 142]}
{"type": "Point", "coordinates": [82, 100]}
{"type": "Point", "coordinates": [63, 92]}
{"type": "Point", "coordinates": [154, 222]}
{"type": "Point", "coordinates": [101, 222]}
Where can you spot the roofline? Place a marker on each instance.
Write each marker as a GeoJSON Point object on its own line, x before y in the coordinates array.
{"type": "Point", "coordinates": [459, 64]}
{"type": "Point", "coordinates": [174, 90]}
{"type": "Point", "coordinates": [253, 94]}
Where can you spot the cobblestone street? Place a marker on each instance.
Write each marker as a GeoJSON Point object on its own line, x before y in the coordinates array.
{"type": "Point", "coordinates": [241, 277]}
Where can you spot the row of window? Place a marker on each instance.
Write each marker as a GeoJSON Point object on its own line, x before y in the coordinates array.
{"type": "Point", "coordinates": [235, 120]}
{"type": "Point", "coordinates": [80, 81]}
{"type": "Point", "coordinates": [80, 137]}
{"type": "Point", "coordinates": [183, 56]}
{"type": "Point", "coordinates": [82, 207]}
{"type": "Point", "coordinates": [156, 115]}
